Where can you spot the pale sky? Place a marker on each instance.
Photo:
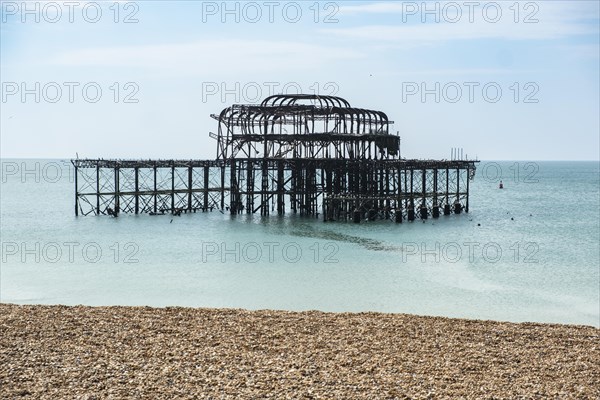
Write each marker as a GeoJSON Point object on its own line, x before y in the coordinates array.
{"type": "Point", "coordinates": [502, 80]}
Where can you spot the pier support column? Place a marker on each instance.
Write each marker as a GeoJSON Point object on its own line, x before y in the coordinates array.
{"type": "Point", "coordinates": [264, 189]}
{"type": "Point", "coordinates": [76, 192]}
{"type": "Point", "coordinates": [457, 207]}
{"type": "Point", "coordinates": [356, 216]}
{"type": "Point", "coordinates": [173, 188]}
{"type": "Point", "coordinates": [435, 211]}
{"type": "Point", "coordinates": [457, 190]}
{"type": "Point", "coordinates": [97, 189]}
{"type": "Point", "coordinates": [155, 195]}
{"type": "Point", "coordinates": [190, 184]}
{"type": "Point", "coordinates": [137, 190]}
{"type": "Point", "coordinates": [223, 186]}
{"type": "Point", "coordinates": [249, 187]}
{"type": "Point", "coordinates": [117, 194]}
{"type": "Point", "coordinates": [424, 212]}
{"type": "Point", "coordinates": [467, 200]}
{"type": "Point", "coordinates": [280, 188]}
{"type": "Point", "coordinates": [206, 178]}
{"type": "Point", "coordinates": [398, 216]}
{"type": "Point", "coordinates": [411, 210]}
{"type": "Point", "coordinates": [447, 205]}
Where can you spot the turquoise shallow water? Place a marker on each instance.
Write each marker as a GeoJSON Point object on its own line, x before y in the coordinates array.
{"type": "Point", "coordinates": [541, 265]}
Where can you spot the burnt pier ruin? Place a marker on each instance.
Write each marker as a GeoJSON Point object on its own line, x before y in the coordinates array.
{"type": "Point", "coordinates": [306, 154]}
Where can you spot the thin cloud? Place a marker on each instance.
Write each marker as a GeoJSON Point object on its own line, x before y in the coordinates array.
{"type": "Point", "coordinates": [414, 9]}
{"type": "Point", "coordinates": [372, 8]}
{"type": "Point", "coordinates": [210, 56]}
{"type": "Point", "coordinates": [444, 32]}
{"type": "Point", "coordinates": [554, 21]}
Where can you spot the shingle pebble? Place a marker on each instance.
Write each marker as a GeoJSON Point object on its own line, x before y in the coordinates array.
{"type": "Point", "coordinates": [56, 352]}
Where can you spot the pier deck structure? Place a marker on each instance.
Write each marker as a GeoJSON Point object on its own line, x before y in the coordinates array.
{"type": "Point", "coordinates": [306, 154]}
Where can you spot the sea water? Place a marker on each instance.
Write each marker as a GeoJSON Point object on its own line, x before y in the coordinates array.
{"type": "Point", "coordinates": [528, 252]}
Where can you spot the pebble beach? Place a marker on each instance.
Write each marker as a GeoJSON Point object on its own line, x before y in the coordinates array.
{"type": "Point", "coordinates": [63, 352]}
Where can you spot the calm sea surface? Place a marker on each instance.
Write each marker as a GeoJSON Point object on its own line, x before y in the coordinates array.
{"type": "Point", "coordinates": [529, 252]}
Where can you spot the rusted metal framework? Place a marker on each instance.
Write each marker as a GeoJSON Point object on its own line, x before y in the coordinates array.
{"type": "Point", "coordinates": [306, 154]}
{"type": "Point", "coordinates": [109, 187]}
{"type": "Point", "coordinates": [304, 126]}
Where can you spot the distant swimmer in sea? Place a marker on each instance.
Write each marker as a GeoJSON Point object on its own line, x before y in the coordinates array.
{"type": "Point", "coordinates": [501, 186]}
